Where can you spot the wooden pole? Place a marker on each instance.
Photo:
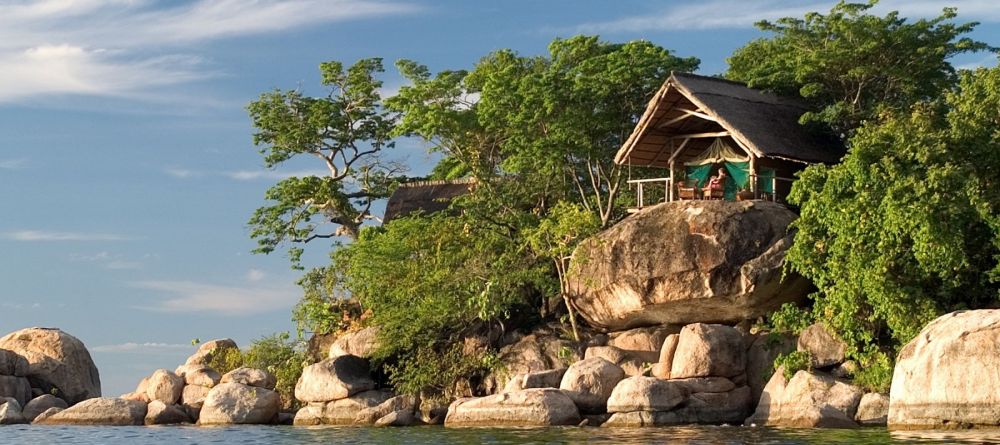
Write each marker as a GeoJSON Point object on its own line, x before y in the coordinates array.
{"type": "Point", "coordinates": [753, 175]}
{"type": "Point", "coordinates": [670, 193]}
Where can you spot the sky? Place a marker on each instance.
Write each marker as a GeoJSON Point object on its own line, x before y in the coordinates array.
{"type": "Point", "coordinates": [127, 167]}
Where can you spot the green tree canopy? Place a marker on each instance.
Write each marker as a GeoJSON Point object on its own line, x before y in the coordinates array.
{"type": "Point", "coordinates": [907, 227]}
{"type": "Point", "coordinates": [851, 64]}
{"type": "Point", "coordinates": [347, 131]}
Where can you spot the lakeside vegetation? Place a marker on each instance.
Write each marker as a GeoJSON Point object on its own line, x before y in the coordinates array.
{"type": "Point", "coordinates": [905, 228]}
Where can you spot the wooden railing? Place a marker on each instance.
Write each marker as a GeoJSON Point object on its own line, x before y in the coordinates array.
{"type": "Point", "coordinates": [641, 184]}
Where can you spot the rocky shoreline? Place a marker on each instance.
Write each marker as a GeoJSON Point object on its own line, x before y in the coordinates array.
{"type": "Point", "coordinates": [703, 374]}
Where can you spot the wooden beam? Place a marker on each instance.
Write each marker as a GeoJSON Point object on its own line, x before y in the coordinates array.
{"type": "Point", "coordinates": [679, 150]}
{"type": "Point", "coordinates": [717, 134]}
{"type": "Point", "coordinates": [687, 114]}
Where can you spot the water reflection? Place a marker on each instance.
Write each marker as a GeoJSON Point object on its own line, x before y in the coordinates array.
{"type": "Point", "coordinates": [250, 435]}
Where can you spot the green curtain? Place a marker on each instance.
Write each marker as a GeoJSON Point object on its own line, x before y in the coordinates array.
{"type": "Point", "coordinates": [765, 181]}
{"type": "Point", "coordinates": [699, 173]}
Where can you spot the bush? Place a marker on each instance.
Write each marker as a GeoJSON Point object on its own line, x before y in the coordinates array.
{"type": "Point", "coordinates": [276, 354]}
{"type": "Point", "coordinates": [793, 362]}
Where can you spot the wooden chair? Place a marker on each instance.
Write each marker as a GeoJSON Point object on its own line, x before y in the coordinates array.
{"type": "Point", "coordinates": [717, 192]}
{"type": "Point", "coordinates": [688, 189]}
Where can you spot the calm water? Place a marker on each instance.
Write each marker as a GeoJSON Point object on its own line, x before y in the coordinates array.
{"type": "Point", "coordinates": [280, 435]}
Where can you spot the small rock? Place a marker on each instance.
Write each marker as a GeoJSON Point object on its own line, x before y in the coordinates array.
{"type": "Point", "coordinates": [542, 379]}
{"type": "Point", "coordinates": [209, 349]}
{"type": "Point", "coordinates": [334, 379]}
{"type": "Point", "coordinates": [845, 370]}
{"type": "Point", "coordinates": [530, 407]}
{"type": "Point", "coordinates": [159, 413]}
{"type": "Point", "coordinates": [643, 343]}
{"type": "Point", "coordinates": [401, 417]}
{"type": "Point", "coordinates": [662, 367]}
{"type": "Point", "coordinates": [98, 411]}
{"type": "Point", "coordinates": [646, 394]}
{"type": "Point", "coordinates": [200, 375]}
{"type": "Point", "coordinates": [10, 412]}
{"type": "Point", "coordinates": [825, 348]}
{"type": "Point", "coordinates": [361, 343]}
{"type": "Point", "coordinates": [235, 403]}
{"type": "Point", "coordinates": [46, 414]}
{"type": "Point", "coordinates": [165, 386]}
{"type": "Point", "coordinates": [40, 404]}
{"type": "Point", "coordinates": [339, 412]}
{"type": "Point", "coordinates": [873, 410]}
{"type": "Point", "coordinates": [589, 383]}
{"type": "Point", "coordinates": [707, 350]}
{"type": "Point", "coordinates": [369, 416]}
{"type": "Point", "coordinates": [251, 377]}
{"type": "Point", "coordinates": [629, 363]}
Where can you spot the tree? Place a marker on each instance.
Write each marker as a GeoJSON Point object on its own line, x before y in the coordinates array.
{"type": "Point", "coordinates": [850, 65]}
{"type": "Point", "coordinates": [348, 130]}
{"type": "Point", "coordinates": [907, 227]}
{"type": "Point", "coordinates": [552, 122]}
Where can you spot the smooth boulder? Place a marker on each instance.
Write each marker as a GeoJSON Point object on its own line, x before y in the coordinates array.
{"type": "Point", "coordinates": [686, 262]}
{"type": "Point", "coordinates": [339, 412]}
{"type": "Point", "coordinates": [873, 410]}
{"type": "Point", "coordinates": [334, 379]}
{"type": "Point", "coordinates": [98, 411]}
{"type": "Point", "coordinates": [200, 375]}
{"type": "Point", "coordinates": [251, 377]}
{"type": "Point", "coordinates": [646, 394]}
{"type": "Point", "coordinates": [210, 349]}
{"type": "Point", "coordinates": [40, 404]}
{"type": "Point", "coordinates": [589, 383]}
{"type": "Point", "coordinates": [705, 350]}
{"type": "Point", "coordinates": [808, 400]}
{"type": "Point", "coordinates": [17, 388]}
{"type": "Point", "coordinates": [235, 403]}
{"type": "Point", "coordinates": [164, 386]}
{"type": "Point", "coordinates": [823, 347]}
{"type": "Point", "coordinates": [644, 343]}
{"type": "Point", "coordinates": [56, 361]}
{"type": "Point", "coordinates": [159, 413]}
{"type": "Point", "coordinates": [946, 376]}
{"type": "Point", "coordinates": [361, 343]}
{"type": "Point", "coordinates": [10, 412]}
{"type": "Point", "coordinates": [12, 363]}
{"type": "Point", "coordinates": [530, 407]}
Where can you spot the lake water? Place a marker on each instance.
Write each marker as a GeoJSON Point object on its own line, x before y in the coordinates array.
{"type": "Point", "coordinates": [281, 435]}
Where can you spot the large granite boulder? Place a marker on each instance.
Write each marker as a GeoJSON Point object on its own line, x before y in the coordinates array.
{"type": "Point", "coordinates": [369, 416]}
{"type": "Point", "coordinates": [945, 377]}
{"type": "Point", "coordinates": [589, 383]}
{"type": "Point", "coordinates": [705, 350]}
{"type": "Point", "coordinates": [98, 411]}
{"type": "Point", "coordinates": [10, 412]}
{"type": "Point", "coordinates": [530, 407]}
{"type": "Point", "coordinates": [210, 349]}
{"type": "Point", "coordinates": [236, 403]}
{"type": "Point", "coordinates": [200, 375]}
{"type": "Point", "coordinates": [630, 363]}
{"type": "Point", "coordinates": [873, 410]}
{"type": "Point", "coordinates": [340, 412]}
{"type": "Point", "coordinates": [535, 352]}
{"type": "Point", "coordinates": [193, 398]}
{"type": "Point", "coordinates": [808, 400]}
{"type": "Point", "coordinates": [333, 379]}
{"type": "Point", "coordinates": [57, 362]}
{"type": "Point", "coordinates": [361, 343]}
{"type": "Point", "coordinates": [686, 262]}
{"type": "Point", "coordinates": [644, 343]}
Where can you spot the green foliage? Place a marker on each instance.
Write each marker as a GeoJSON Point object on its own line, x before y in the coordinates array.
{"type": "Point", "coordinates": [790, 318]}
{"type": "Point", "coordinates": [906, 228]}
{"type": "Point", "coordinates": [875, 371]}
{"type": "Point", "coordinates": [277, 354]}
{"type": "Point", "coordinates": [347, 130]}
{"type": "Point", "coordinates": [437, 371]}
{"type": "Point", "coordinates": [851, 64]}
{"type": "Point", "coordinates": [793, 362]}
{"type": "Point", "coordinates": [430, 281]}
{"type": "Point", "coordinates": [324, 307]}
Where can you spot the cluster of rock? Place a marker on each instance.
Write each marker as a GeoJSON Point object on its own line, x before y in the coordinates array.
{"type": "Point", "coordinates": [339, 390]}
{"type": "Point", "coordinates": [43, 371]}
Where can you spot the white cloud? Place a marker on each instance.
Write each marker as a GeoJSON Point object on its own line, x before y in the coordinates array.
{"type": "Point", "coordinates": [180, 172]}
{"type": "Point", "coordinates": [250, 175]}
{"type": "Point", "coordinates": [188, 296]}
{"type": "Point", "coordinates": [141, 348]}
{"type": "Point", "coordinates": [716, 14]}
{"type": "Point", "coordinates": [42, 235]}
{"type": "Point", "coordinates": [13, 164]}
{"type": "Point", "coordinates": [255, 275]}
{"type": "Point", "coordinates": [126, 48]}
{"type": "Point", "coordinates": [108, 260]}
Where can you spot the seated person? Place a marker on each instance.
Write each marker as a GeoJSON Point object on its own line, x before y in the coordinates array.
{"type": "Point", "coordinates": [715, 183]}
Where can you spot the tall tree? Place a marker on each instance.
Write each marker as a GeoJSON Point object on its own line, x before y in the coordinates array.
{"type": "Point", "coordinates": [907, 227]}
{"type": "Point", "coordinates": [851, 64]}
{"type": "Point", "coordinates": [348, 131]}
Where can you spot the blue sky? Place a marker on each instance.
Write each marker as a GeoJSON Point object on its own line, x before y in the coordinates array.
{"type": "Point", "coordinates": [127, 168]}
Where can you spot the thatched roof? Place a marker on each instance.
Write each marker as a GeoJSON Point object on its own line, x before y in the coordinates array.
{"type": "Point", "coordinates": [426, 196]}
{"type": "Point", "coordinates": [763, 124]}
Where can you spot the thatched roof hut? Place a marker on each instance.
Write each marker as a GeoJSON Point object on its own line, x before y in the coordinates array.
{"type": "Point", "coordinates": [698, 120]}
{"type": "Point", "coordinates": [425, 196]}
